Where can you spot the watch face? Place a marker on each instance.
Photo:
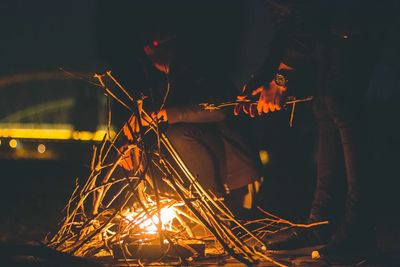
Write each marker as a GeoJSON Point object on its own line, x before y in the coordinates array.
{"type": "Point", "coordinates": [280, 80]}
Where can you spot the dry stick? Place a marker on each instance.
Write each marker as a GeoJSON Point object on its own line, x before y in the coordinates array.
{"type": "Point", "coordinates": [294, 224]}
{"type": "Point", "coordinates": [100, 79]}
{"type": "Point", "coordinates": [103, 144]}
{"type": "Point", "coordinates": [185, 225]}
{"type": "Point", "coordinates": [83, 196]}
{"type": "Point", "coordinates": [186, 172]}
{"type": "Point", "coordinates": [109, 117]}
{"type": "Point", "coordinates": [236, 240]}
{"type": "Point", "coordinates": [211, 217]}
{"type": "Point", "coordinates": [231, 236]}
{"type": "Point", "coordinates": [76, 247]}
{"type": "Point", "coordinates": [79, 205]}
{"type": "Point", "coordinates": [106, 184]}
{"type": "Point", "coordinates": [92, 162]}
{"type": "Point", "coordinates": [190, 176]}
{"type": "Point", "coordinates": [88, 221]}
{"type": "Point", "coordinates": [198, 189]}
{"type": "Point", "coordinates": [63, 226]}
{"type": "Point", "coordinates": [112, 142]}
{"type": "Point", "coordinates": [119, 85]}
{"type": "Point", "coordinates": [138, 115]}
{"type": "Point", "coordinates": [269, 259]}
{"type": "Point", "coordinates": [72, 198]}
{"type": "Point", "coordinates": [102, 191]}
{"type": "Point", "coordinates": [221, 227]}
{"type": "Point", "coordinates": [147, 213]}
{"type": "Point", "coordinates": [207, 225]}
{"type": "Point", "coordinates": [205, 221]}
{"type": "Point", "coordinates": [221, 203]}
{"type": "Point", "coordinates": [194, 219]}
{"type": "Point", "coordinates": [184, 168]}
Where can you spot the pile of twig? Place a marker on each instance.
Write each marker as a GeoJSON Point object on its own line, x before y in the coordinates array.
{"type": "Point", "coordinates": [117, 207]}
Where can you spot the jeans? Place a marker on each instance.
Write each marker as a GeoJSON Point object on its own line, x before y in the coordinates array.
{"type": "Point", "coordinates": [340, 130]}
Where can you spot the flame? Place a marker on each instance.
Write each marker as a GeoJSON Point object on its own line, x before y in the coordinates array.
{"type": "Point", "coordinates": [167, 216]}
{"type": "Point", "coordinates": [149, 225]}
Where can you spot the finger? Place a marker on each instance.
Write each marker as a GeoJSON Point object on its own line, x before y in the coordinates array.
{"type": "Point", "coordinates": [131, 120]}
{"type": "Point", "coordinates": [236, 110]}
{"type": "Point", "coordinates": [259, 107]}
{"type": "Point", "coordinates": [265, 108]}
{"type": "Point", "coordinates": [127, 133]}
{"type": "Point", "coordinates": [127, 164]}
{"type": "Point", "coordinates": [271, 107]}
{"type": "Point", "coordinates": [277, 103]}
{"type": "Point", "coordinates": [253, 110]}
{"type": "Point", "coordinates": [246, 109]}
{"type": "Point", "coordinates": [260, 104]}
{"type": "Point", "coordinates": [258, 90]}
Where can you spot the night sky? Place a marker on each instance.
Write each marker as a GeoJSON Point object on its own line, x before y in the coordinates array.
{"type": "Point", "coordinates": [47, 35]}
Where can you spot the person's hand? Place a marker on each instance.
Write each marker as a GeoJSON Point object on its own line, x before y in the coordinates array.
{"type": "Point", "coordinates": [161, 116]}
{"type": "Point", "coordinates": [132, 127]}
{"type": "Point", "coordinates": [130, 157]}
{"type": "Point", "coordinates": [244, 104]}
{"type": "Point", "coordinates": [270, 97]}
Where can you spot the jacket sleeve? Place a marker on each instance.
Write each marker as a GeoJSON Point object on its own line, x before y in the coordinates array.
{"type": "Point", "coordinates": [295, 38]}
{"type": "Point", "coordinates": [207, 89]}
{"type": "Point", "coordinates": [193, 114]}
{"type": "Point", "coordinates": [303, 28]}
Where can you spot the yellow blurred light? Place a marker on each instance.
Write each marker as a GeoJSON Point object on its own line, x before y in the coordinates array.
{"type": "Point", "coordinates": [86, 135]}
{"type": "Point", "coordinates": [77, 135]}
{"type": "Point", "coordinates": [264, 157]}
{"type": "Point", "coordinates": [59, 134]}
{"type": "Point", "coordinates": [98, 135]}
{"type": "Point", "coordinates": [13, 143]}
{"type": "Point", "coordinates": [41, 148]}
{"type": "Point", "coordinates": [53, 134]}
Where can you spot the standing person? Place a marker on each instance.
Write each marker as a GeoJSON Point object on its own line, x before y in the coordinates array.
{"type": "Point", "coordinates": [341, 39]}
{"type": "Point", "coordinates": [212, 150]}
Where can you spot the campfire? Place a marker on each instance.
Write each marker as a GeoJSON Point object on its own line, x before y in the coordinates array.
{"type": "Point", "coordinates": [156, 210]}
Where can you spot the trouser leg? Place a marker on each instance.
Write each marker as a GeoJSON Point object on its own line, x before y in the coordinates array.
{"type": "Point", "coordinates": [327, 155]}
{"type": "Point", "coordinates": [244, 197]}
{"type": "Point", "coordinates": [348, 120]}
{"type": "Point", "coordinates": [220, 160]}
{"type": "Point", "coordinates": [202, 150]}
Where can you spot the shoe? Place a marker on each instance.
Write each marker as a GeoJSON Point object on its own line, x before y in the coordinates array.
{"type": "Point", "coordinates": [350, 244]}
{"type": "Point", "coordinates": [299, 241]}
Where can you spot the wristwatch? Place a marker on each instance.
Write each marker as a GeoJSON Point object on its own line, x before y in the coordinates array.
{"type": "Point", "coordinates": [281, 78]}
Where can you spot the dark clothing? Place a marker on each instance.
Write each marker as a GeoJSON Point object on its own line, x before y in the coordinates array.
{"type": "Point", "coordinates": [211, 149]}
{"type": "Point", "coordinates": [309, 30]}
{"type": "Point", "coordinates": [340, 41]}
{"type": "Point", "coordinates": [188, 88]}
{"type": "Point", "coordinates": [215, 154]}
{"type": "Point", "coordinates": [340, 130]}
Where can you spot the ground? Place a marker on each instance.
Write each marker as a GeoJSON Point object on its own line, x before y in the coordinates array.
{"type": "Point", "coordinates": [35, 192]}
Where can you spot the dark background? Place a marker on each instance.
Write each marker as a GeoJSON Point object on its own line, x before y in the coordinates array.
{"type": "Point", "coordinates": [230, 37]}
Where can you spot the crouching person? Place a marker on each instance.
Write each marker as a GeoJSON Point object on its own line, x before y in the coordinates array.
{"type": "Point", "coordinates": [212, 150]}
